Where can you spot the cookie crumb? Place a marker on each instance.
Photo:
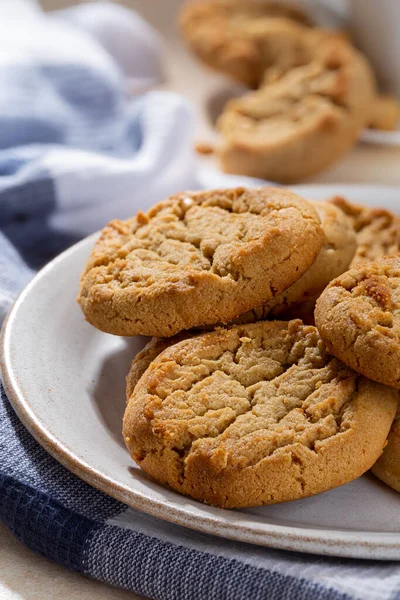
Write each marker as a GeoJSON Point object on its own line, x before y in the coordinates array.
{"type": "Point", "coordinates": [204, 148]}
{"type": "Point", "coordinates": [142, 218]}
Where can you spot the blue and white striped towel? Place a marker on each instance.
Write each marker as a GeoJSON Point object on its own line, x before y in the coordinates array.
{"type": "Point", "coordinates": [74, 153]}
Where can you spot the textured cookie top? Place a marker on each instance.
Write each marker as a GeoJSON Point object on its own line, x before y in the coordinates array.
{"type": "Point", "coordinates": [334, 258]}
{"type": "Point", "coordinates": [198, 258]}
{"type": "Point", "coordinates": [243, 37]}
{"type": "Point", "coordinates": [237, 396]}
{"type": "Point", "coordinates": [358, 316]}
{"type": "Point", "coordinates": [377, 230]}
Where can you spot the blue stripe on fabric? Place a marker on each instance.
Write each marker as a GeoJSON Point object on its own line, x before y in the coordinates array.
{"type": "Point", "coordinates": [24, 210]}
{"type": "Point", "coordinates": [37, 242]}
{"type": "Point", "coordinates": [26, 200]}
{"type": "Point", "coordinates": [33, 198]}
{"type": "Point", "coordinates": [64, 103]}
{"type": "Point", "coordinates": [43, 524]}
{"type": "Point", "coordinates": [165, 571]}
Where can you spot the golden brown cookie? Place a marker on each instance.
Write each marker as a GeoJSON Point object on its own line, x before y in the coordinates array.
{"type": "Point", "coordinates": [255, 414]}
{"type": "Point", "coordinates": [358, 317]}
{"type": "Point", "coordinates": [385, 113]}
{"type": "Point", "coordinates": [242, 38]}
{"type": "Point", "coordinates": [198, 258]}
{"type": "Point", "coordinates": [387, 467]}
{"type": "Point", "coordinates": [302, 122]}
{"type": "Point", "coordinates": [377, 230]}
{"type": "Point", "coordinates": [334, 258]}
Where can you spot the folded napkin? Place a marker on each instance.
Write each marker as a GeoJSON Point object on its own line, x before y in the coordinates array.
{"type": "Point", "coordinates": [75, 151]}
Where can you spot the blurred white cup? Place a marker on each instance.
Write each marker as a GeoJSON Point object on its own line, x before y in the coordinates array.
{"type": "Point", "coordinates": [376, 27]}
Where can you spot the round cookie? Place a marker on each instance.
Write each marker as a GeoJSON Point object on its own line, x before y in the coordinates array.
{"type": "Point", "coordinates": [377, 230]}
{"type": "Point", "coordinates": [334, 258]}
{"type": "Point", "coordinates": [198, 259]}
{"type": "Point", "coordinates": [242, 38]}
{"type": "Point", "coordinates": [387, 467]}
{"type": "Point", "coordinates": [358, 317]}
{"type": "Point", "coordinates": [302, 122]}
{"type": "Point", "coordinates": [255, 414]}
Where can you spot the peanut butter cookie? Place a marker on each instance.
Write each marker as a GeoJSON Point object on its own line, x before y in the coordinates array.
{"type": "Point", "coordinates": [302, 122]}
{"type": "Point", "coordinates": [377, 230]}
{"type": "Point", "coordinates": [255, 414]}
{"type": "Point", "coordinates": [198, 259]}
{"type": "Point", "coordinates": [387, 467]}
{"type": "Point", "coordinates": [242, 38]}
{"type": "Point", "coordinates": [334, 258]}
{"type": "Point", "coordinates": [358, 317]}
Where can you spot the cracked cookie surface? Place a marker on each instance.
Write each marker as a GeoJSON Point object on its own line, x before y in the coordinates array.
{"type": "Point", "coordinates": [358, 317]}
{"type": "Point", "coordinates": [334, 258]}
{"type": "Point", "coordinates": [242, 38]}
{"type": "Point", "coordinates": [198, 259]}
{"type": "Point", "coordinates": [387, 467]}
{"type": "Point", "coordinates": [303, 121]}
{"type": "Point", "coordinates": [377, 230]}
{"type": "Point", "coordinates": [255, 414]}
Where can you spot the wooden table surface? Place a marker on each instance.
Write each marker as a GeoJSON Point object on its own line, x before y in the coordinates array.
{"type": "Point", "coordinates": [23, 574]}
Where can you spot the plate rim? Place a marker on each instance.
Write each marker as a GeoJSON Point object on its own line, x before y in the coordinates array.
{"type": "Point", "coordinates": [380, 137]}
{"type": "Point", "coordinates": [327, 541]}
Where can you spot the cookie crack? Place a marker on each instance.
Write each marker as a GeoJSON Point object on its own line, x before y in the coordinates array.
{"type": "Point", "coordinates": [292, 113]}
{"type": "Point", "coordinates": [185, 451]}
{"type": "Point", "coordinates": [297, 462]}
{"type": "Point", "coordinates": [123, 265]}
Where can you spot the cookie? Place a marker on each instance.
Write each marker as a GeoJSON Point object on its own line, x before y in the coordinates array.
{"type": "Point", "coordinates": [377, 230]}
{"type": "Point", "coordinates": [358, 317]}
{"type": "Point", "coordinates": [385, 113]}
{"type": "Point", "coordinates": [242, 38]}
{"type": "Point", "coordinates": [334, 258]}
{"type": "Point", "coordinates": [255, 414]}
{"type": "Point", "coordinates": [387, 467]}
{"type": "Point", "coordinates": [198, 258]}
{"type": "Point", "coordinates": [302, 122]}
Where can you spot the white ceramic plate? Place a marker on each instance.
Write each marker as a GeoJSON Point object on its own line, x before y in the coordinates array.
{"type": "Point", "coordinates": [65, 380]}
{"type": "Point", "coordinates": [382, 138]}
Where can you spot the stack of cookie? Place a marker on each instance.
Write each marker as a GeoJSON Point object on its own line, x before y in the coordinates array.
{"type": "Point", "coordinates": [226, 404]}
{"type": "Point", "coordinates": [315, 92]}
